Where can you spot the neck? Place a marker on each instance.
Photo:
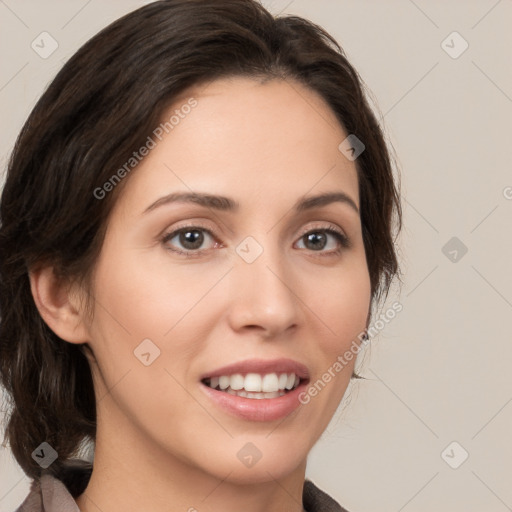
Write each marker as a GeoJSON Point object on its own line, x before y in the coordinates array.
{"type": "Point", "coordinates": [131, 473]}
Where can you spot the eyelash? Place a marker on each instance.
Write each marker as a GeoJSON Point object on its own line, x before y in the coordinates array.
{"type": "Point", "coordinates": [342, 239]}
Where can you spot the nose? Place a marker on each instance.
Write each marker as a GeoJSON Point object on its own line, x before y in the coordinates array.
{"type": "Point", "coordinates": [264, 295]}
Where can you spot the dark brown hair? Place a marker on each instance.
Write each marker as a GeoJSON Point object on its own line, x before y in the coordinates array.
{"type": "Point", "coordinates": [102, 106]}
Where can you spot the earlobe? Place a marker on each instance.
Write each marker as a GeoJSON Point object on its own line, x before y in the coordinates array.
{"type": "Point", "coordinates": [53, 298]}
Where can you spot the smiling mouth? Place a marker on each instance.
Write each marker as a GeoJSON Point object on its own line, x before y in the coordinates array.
{"type": "Point", "coordinates": [254, 385]}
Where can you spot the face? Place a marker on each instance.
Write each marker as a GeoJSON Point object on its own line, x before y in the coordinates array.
{"type": "Point", "coordinates": [261, 281]}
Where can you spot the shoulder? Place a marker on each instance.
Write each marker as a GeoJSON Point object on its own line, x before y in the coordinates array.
{"type": "Point", "coordinates": [316, 500]}
{"type": "Point", "coordinates": [33, 501]}
{"type": "Point", "coordinates": [55, 490]}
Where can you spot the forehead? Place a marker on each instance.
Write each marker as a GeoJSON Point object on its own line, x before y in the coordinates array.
{"type": "Point", "coordinates": [248, 140]}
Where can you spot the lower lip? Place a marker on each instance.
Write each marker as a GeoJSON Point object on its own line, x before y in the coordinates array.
{"type": "Point", "coordinates": [254, 409]}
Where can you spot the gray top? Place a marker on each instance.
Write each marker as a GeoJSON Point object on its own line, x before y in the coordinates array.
{"type": "Point", "coordinates": [57, 492]}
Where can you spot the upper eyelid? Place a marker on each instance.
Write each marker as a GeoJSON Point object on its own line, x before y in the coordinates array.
{"type": "Point", "coordinates": [169, 234]}
{"type": "Point", "coordinates": [321, 225]}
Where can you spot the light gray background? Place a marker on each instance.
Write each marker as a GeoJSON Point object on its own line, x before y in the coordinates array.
{"type": "Point", "coordinates": [440, 371]}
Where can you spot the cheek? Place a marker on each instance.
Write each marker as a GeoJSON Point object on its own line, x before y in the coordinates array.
{"type": "Point", "coordinates": [143, 296]}
{"type": "Point", "coordinates": [140, 309]}
{"type": "Point", "coordinates": [339, 316]}
{"type": "Point", "coordinates": [147, 295]}
{"type": "Point", "coordinates": [342, 304]}
{"type": "Point", "coordinates": [341, 313]}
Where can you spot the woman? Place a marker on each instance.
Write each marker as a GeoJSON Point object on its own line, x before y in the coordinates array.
{"type": "Point", "coordinates": [197, 221]}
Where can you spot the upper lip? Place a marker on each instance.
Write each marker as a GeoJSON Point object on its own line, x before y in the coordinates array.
{"type": "Point", "coordinates": [261, 366]}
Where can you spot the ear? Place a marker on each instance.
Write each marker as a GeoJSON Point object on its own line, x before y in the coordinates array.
{"type": "Point", "coordinates": [57, 303]}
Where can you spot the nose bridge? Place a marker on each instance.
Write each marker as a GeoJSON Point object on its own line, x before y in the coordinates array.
{"type": "Point", "coordinates": [263, 283]}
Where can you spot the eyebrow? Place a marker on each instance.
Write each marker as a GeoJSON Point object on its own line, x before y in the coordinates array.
{"type": "Point", "coordinates": [223, 203]}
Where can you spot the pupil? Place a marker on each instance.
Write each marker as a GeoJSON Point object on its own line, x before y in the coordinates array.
{"type": "Point", "coordinates": [314, 238]}
{"type": "Point", "coordinates": [192, 239]}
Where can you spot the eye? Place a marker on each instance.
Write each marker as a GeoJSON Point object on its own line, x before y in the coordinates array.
{"type": "Point", "coordinates": [191, 238]}
{"type": "Point", "coordinates": [318, 238]}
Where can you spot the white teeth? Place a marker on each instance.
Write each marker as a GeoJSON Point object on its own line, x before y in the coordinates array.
{"type": "Point", "coordinates": [254, 385]}
{"type": "Point", "coordinates": [252, 382]}
{"type": "Point", "coordinates": [290, 381]}
{"type": "Point", "coordinates": [236, 382]}
{"type": "Point", "coordinates": [224, 382]}
{"type": "Point", "coordinates": [257, 396]}
{"type": "Point", "coordinates": [270, 383]}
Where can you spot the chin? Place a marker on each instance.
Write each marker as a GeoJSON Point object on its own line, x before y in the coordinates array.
{"type": "Point", "coordinates": [255, 459]}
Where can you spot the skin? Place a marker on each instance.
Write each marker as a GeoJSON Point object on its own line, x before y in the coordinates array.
{"type": "Point", "coordinates": [162, 444]}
